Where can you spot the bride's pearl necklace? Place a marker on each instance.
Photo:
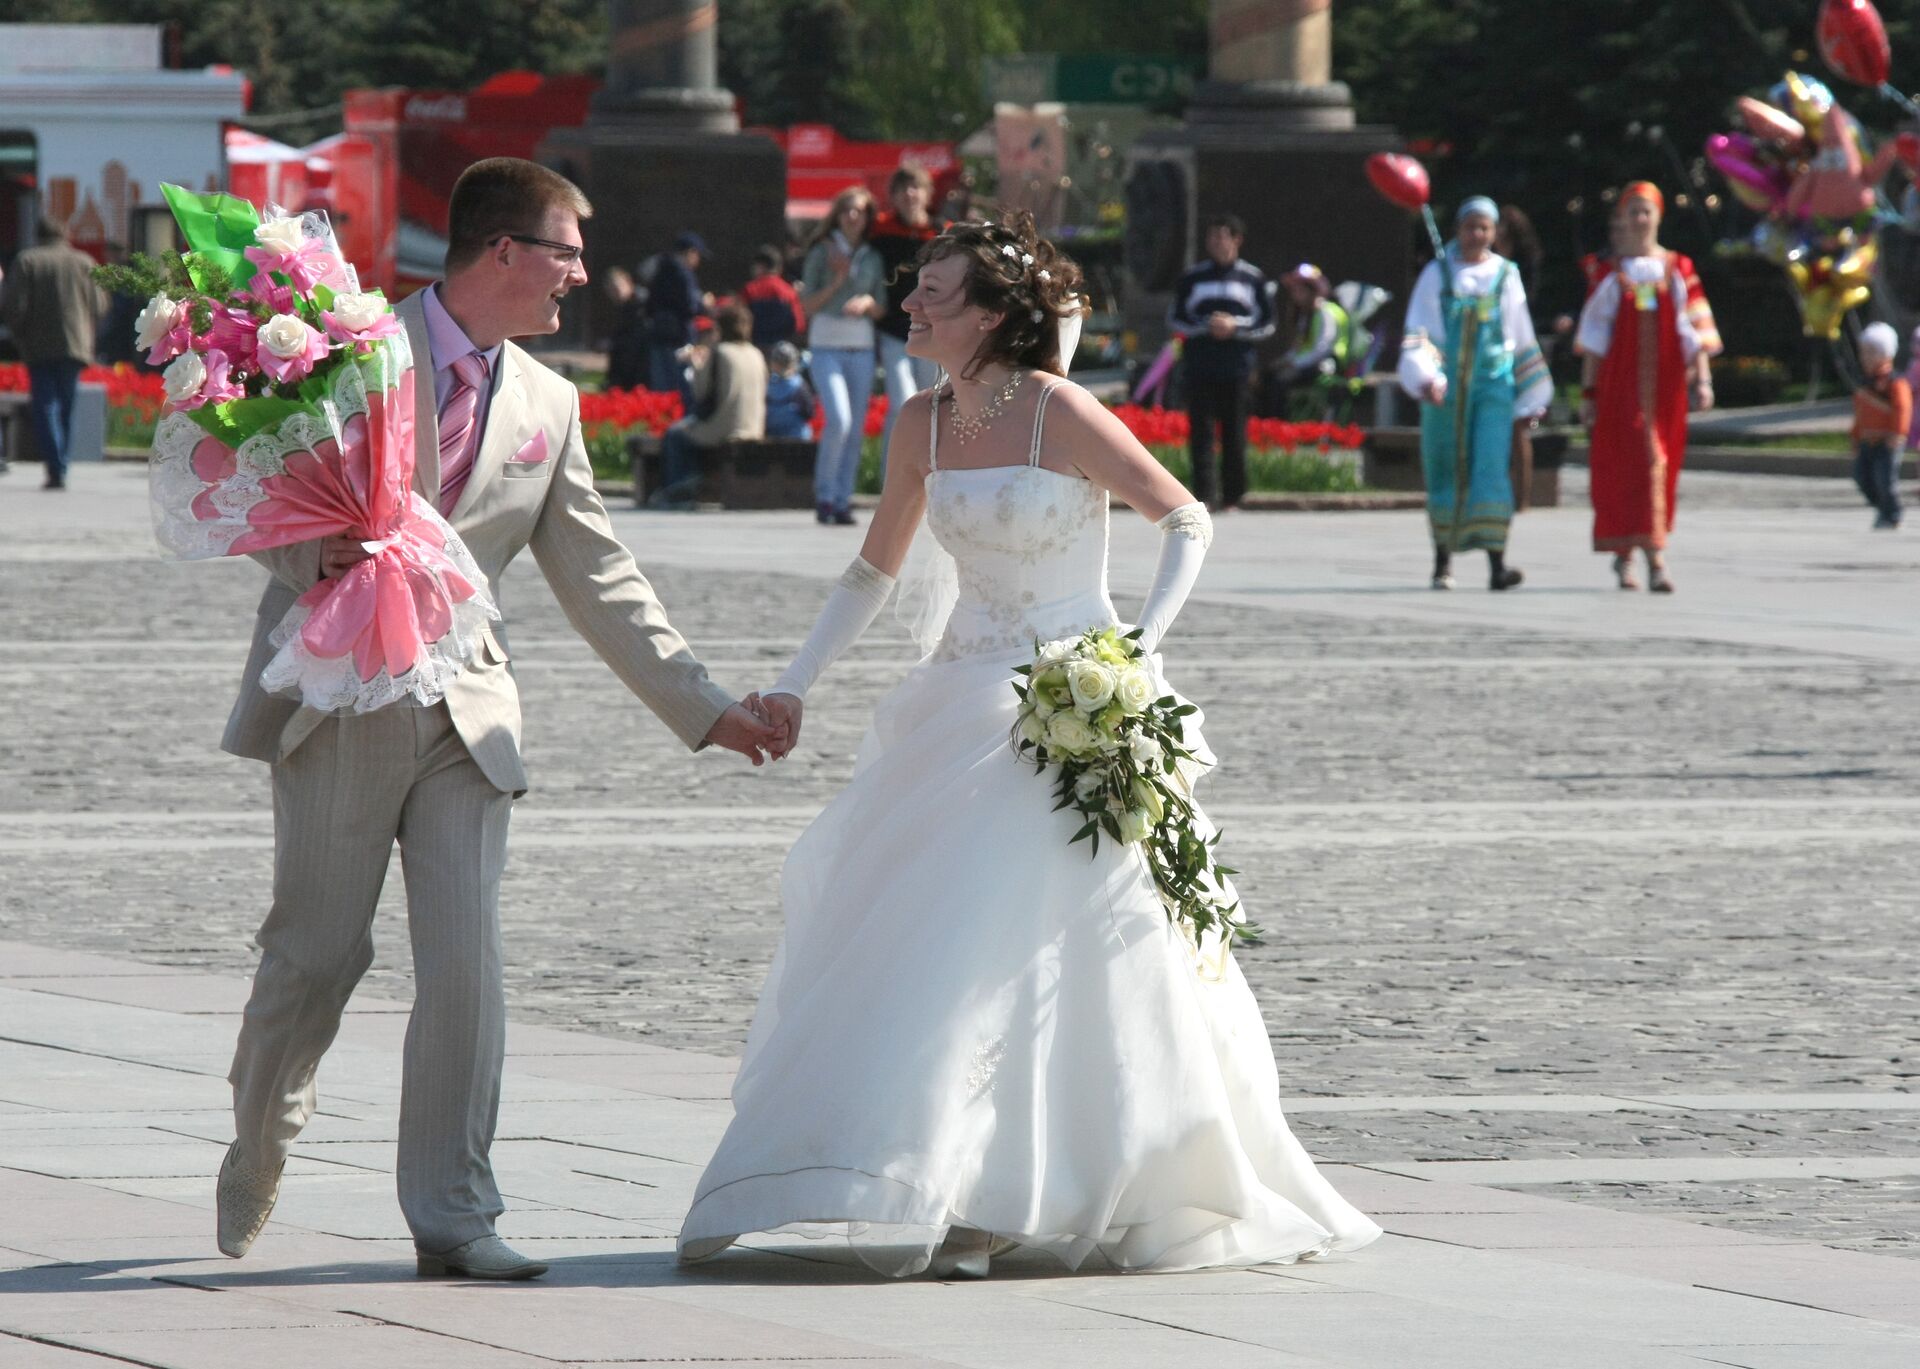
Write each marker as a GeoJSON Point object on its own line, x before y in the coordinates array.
{"type": "Point", "coordinates": [966, 429]}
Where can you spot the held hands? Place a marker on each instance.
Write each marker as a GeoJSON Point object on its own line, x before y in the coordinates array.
{"type": "Point", "coordinates": [860, 306]}
{"type": "Point", "coordinates": [740, 729]}
{"type": "Point", "coordinates": [1435, 392]}
{"type": "Point", "coordinates": [783, 713]}
{"type": "Point", "coordinates": [1220, 327]}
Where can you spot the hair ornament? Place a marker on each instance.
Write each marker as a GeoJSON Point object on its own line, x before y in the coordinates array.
{"type": "Point", "coordinates": [1039, 314]}
{"type": "Point", "coordinates": [1009, 250]}
{"type": "Point", "coordinates": [1026, 259]}
{"type": "Point", "coordinates": [1042, 274]}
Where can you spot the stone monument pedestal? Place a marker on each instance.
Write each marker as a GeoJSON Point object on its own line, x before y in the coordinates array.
{"type": "Point", "coordinates": [662, 153]}
{"type": "Point", "coordinates": [1271, 139]}
{"type": "Point", "coordinates": [649, 182]}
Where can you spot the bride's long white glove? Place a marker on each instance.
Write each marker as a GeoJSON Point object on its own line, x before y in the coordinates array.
{"type": "Point", "coordinates": [850, 610]}
{"type": "Point", "coordinates": [1185, 535]}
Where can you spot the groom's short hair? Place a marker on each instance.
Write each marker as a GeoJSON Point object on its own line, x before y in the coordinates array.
{"type": "Point", "coordinates": [501, 196]}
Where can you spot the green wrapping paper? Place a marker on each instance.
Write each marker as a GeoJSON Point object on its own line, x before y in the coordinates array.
{"type": "Point", "coordinates": [217, 226]}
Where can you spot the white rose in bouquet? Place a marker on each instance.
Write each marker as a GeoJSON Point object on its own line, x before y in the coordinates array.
{"type": "Point", "coordinates": [358, 312]}
{"type": "Point", "coordinates": [285, 335]}
{"type": "Point", "coordinates": [1135, 824]}
{"type": "Point", "coordinates": [1134, 689]}
{"type": "Point", "coordinates": [1032, 728]}
{"type": "Point", "coordinates": [281, 235]}
{"type": "Point", "coordinates": [1069, 734]}
{"type": "Point", "coordinates": [1053, 653]}
{"type": "Point", "coordinates": [160, 317]}
{"type": "Point", "coordinates": [1092, 684]}
{"type": "Point", "coordinates": [1144, 750]}
{"type": "Point", "coordinates": [184, 377]}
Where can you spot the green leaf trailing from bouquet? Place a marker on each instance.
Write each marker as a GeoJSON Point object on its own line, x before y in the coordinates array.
{"type": "Point", "coordinates": [1088, 710]}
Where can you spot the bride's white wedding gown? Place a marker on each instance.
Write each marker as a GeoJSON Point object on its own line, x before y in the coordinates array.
{"type": "Point", "coordinates": [969, 1022]}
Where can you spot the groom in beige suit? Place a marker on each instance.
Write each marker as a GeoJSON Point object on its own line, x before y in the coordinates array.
{"type": "Point", "coordinates": [499, 451]}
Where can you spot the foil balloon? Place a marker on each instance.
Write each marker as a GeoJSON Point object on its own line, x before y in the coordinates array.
{"type": "Point", "coordinates": [1830, 286]}
{"type": "Point", "coordinates": [1907, 148]}
{"type": "Point", "coordinates": [1770, 123]}
{"type": "Point", "coordinates": [1804, 166]}
{"type": "Point", "coordinates": [1759, 186]}
{"type": "Point", "coordinates": [1400, 178]}
{"type": "Point", "coordinates": [1807, 99]}
{"type": "Point", "coordinates": [1837, 182]}
{"type": "Point", "coordinates": [1854, 41]}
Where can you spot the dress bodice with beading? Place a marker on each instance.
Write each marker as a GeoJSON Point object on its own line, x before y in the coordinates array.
{"type": "Point", "coordinates": [1030, 548]}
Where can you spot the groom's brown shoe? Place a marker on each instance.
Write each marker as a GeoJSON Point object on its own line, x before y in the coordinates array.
{"type": "Point", "coordinates": [489, 1257]}
{"type": "Point", "coordinates": [245, 1198]}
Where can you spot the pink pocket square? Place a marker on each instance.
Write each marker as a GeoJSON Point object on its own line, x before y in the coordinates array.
{"type": "Point", "coordinates": [534, 452]}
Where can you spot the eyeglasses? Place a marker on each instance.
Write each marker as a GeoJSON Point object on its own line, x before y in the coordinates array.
{"type": "Point", "coordinates": [569, 253]}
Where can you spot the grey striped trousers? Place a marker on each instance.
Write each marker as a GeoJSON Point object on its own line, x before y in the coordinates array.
{"type": "Point", "coordinates": [340, 801]}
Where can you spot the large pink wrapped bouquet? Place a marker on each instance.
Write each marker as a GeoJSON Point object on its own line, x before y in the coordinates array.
{"type": "Point", "coordinates": [290, 402]}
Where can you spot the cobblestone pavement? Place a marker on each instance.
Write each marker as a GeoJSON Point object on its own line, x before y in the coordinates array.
{"type": "Point", "coordinates": [1497, 864]}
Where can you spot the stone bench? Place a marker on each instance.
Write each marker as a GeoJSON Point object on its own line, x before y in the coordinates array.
{"type": "Point", "coordinates": [767, 473]}
{"type": "Point", "coordinates": [86, 440]}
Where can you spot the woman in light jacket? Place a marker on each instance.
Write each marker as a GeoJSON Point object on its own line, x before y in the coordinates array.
{"type": "Point", "coordinates": [842, 289]}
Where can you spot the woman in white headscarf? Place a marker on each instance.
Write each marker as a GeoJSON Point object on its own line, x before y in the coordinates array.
{"type": "Point", "coordinates": [1471, 359]}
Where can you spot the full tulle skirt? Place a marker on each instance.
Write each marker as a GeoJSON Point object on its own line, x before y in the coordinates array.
{"type": "Point", "coordinates": [970, 1022]}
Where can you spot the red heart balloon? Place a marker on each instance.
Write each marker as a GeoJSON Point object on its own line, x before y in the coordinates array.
{"type": "Point", "coordinates": [1400, 178]}
{"type": "Point", "coordinates": [1854, 41]}
{"type": "Point", "coordinates": [1907, 148]}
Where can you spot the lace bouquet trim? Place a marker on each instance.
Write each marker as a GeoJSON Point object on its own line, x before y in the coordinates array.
{"type": "Point", "coordinates": [332, 653]}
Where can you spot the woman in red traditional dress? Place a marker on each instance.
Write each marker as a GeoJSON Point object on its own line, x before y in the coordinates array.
{"type": "Point", "coordinates": [1646, 336]}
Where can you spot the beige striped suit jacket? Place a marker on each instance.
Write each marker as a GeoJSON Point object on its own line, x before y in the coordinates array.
{"type": "Point", "coordinates": [551, 507]}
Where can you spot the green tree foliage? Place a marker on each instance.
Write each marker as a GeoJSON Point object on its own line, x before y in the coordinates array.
{"type": "Point", "coordinates": [1548, 103]}
{"type": "Point", "coordinates": [915, 68]}
{"type": "Point", "coordinates": [873, 68]}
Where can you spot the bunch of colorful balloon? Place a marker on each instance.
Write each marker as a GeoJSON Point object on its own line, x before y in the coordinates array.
{"type": "Point", "coordinates": [1801, 163]}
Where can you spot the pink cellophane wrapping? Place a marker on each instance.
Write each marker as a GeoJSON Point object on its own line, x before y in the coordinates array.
{"type": "Point", "coordinates": [401, 624]}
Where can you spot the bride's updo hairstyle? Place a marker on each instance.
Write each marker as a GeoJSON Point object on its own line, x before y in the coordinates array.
{"type": "Point", "coordinates": [1014, 272]}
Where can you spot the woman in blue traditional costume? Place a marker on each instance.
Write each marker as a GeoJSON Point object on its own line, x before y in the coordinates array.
{"type": "Point", "coordinates": [1471, 358]}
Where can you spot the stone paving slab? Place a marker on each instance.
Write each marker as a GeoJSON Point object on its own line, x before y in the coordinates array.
{"type": "Point", "coordinates": [124, 1268]}
{"type": "Point", "coordinates": [1558, 878]}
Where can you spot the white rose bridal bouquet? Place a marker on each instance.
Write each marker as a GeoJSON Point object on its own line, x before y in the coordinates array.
{"type": "Point", "coordinates": [1091, 712]}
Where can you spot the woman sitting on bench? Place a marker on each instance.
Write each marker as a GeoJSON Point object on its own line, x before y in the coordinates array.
{"type": "Point", "coordinates": [729, 405]}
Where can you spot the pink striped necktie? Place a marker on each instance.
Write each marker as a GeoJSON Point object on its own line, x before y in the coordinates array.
{"type": "Point", "coordinates": [460, 427]}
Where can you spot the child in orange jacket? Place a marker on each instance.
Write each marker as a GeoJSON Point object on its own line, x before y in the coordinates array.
{"type": "Point", "coordinates": [1882, 414]}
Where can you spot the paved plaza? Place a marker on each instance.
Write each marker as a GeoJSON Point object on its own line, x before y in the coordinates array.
{"type": "Point", "coordinates": [1590, 963]}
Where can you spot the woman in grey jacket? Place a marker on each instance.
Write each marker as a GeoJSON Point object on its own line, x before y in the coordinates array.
{"type": "Point", "coordinates": [842, 289]}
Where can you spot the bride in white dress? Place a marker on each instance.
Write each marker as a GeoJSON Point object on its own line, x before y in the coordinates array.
{"type": "Point", "coordinates": [973, 1035]}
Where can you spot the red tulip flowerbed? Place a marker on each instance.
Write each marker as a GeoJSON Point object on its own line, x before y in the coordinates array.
{"type": "Point", "coordinates": [1169, 428]}
{"type": "Point", "coordinates": [1280, 455]}
{"type": "Point", "coordinates": [134, 398]}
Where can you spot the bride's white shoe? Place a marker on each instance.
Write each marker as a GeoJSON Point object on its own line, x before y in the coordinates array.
{"type": "Point", "coordinates": [965, 1254]}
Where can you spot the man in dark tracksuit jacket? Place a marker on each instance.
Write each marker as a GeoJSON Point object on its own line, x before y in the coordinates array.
{"type": "Point", "coordinates": [1222, 309]}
